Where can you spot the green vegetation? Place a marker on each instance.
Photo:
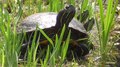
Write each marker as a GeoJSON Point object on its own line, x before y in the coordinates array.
{"type": "Point", "coordinates": [106, 22]}
{"type": "Point", "coordinates": [11, 12]}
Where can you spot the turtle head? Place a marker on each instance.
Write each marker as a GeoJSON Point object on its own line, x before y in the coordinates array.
{"type": "Point", "coordinates": [65, 16]}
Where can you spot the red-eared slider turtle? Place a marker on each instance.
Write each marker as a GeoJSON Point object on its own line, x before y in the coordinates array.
{"type": "Point", "coordinates": [52, 23]}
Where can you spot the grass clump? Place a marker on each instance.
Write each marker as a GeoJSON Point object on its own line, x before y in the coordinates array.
{"type": "Point", "coordinates": [106, 23]}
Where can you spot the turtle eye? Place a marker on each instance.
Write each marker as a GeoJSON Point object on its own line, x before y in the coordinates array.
{"type": "Point", "coordinates": [67, 6]}
{"type": "Point", "coordinates": [70, 8]}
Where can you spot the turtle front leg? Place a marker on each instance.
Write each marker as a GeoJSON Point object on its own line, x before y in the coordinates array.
{"type": "Point", "coordinates": [76, 50]}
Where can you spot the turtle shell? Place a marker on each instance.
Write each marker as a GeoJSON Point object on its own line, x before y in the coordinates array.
{"type": "Point", "coordinates": [47, 20]}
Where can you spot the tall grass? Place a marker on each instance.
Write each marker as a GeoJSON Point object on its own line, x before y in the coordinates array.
{"type": "Point", "coordinates": [10, 46]}
{"type": "Point", "coordinates": [106, 22]}
{"type": "Point", "coordinates": [11, 42]}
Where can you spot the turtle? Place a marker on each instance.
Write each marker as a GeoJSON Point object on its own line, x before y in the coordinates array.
{"type": "Point", "coordinates": [51, 23]}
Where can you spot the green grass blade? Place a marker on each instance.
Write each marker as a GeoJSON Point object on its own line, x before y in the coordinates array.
{"type": "Point", "coordinates": [57, 46]}
{"type": "Point", "coordinates": [51, 42]}
{"type": "Point", "coordinates": [65, 46]}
